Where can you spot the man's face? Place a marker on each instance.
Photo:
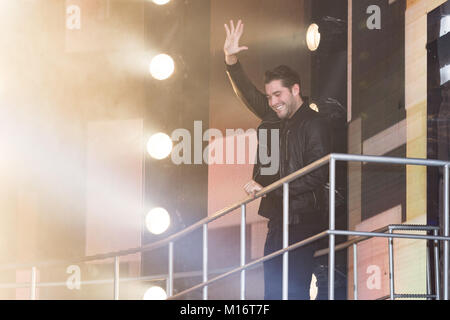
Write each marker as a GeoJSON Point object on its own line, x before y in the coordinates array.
{"type": "Point", "coordinates": [281, 99]}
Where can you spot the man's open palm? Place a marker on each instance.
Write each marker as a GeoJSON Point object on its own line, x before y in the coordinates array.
{"type": "Point", "coordinates": [231, 46]}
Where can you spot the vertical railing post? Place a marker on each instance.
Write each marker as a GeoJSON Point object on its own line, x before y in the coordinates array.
{"type": "Point", "coordinates": [428, 267]}
{"type": "Point", "coordinates": [391, 266]}
{"type": "Point", "coordinates": [33, 283]}
{"type": "Point", "coordinates": [243, 224]}
{"type": "Point", "coordinates": [436, 267]}
{"type": "Point", "coordinates": [446, 229]}
{"type": "Point", "coordinates": [167, 284]}
{"type": "Point", "coordinates": [170, 284]}
{"type": "Point", "coordinates": [205, 260]}
{"type": "Point", "coordinates": [116, 277]}
{"type": "Point", "coordinates": [331, 263]}
{"type": "Point", "coordinates": [285, 274]}
{"type": "Point", "coordinates": [355, 272]}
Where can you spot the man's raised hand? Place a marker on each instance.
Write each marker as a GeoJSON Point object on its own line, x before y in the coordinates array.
{"type": "Point", "coordinates": [231, 47]}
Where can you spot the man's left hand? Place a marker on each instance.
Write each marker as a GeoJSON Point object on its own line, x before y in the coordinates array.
{"type": "Point", "coordinates": [252, 187]}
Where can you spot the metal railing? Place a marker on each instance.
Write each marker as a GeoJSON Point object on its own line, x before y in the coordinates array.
{"type": "Point", "coordinates": [284, 182]}
{"type": "Point", "coordinates": [435, 230]}
{"type": "Point", "coordinates": [390, 228]}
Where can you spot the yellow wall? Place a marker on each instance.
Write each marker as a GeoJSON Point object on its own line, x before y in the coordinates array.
{"type": "Point", "coordinates": [416, 101]}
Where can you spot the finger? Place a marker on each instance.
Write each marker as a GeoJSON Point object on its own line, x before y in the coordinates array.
{"type": "Point", "coordinates": [238, 25]}
{"type": "Point", "coordinates": [240, 29]}
{"type": "Point", "coordinates": [227, 30]}
{"type": "Point", "coordinates": [242, 48]}
{"type": "Point", "coordinates": [232, 26]}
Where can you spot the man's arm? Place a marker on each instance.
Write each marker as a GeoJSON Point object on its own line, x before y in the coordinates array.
{"type": "Point", "coordinates": [253, 99]}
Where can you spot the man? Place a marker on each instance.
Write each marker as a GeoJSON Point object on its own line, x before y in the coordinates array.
{"type": "Point", "coordinates": [304, 138]}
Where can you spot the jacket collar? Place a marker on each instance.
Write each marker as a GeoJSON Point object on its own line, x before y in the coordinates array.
{"type": "Point", "coordinates": [299, 115]}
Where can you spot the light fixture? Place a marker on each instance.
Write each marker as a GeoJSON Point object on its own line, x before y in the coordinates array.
{"type": "Point", "coordinates": [313, 37]}
{"type": "Point", "coordinates": [332, 37]}
{"type": "Point", "coordinates": [161, 2]}
{"type": "Point", "coordinates": [159, 146]}
{"type": "Point", "coordinates": [157, 220]}
{"type": "Point", "coordinates": [314, 107]}
{"type": "Point", "coordinates": [155, 293]}
{"type": "Point", "coordinates": [162, 66]}
{"type": "Point", "coordinates": [313, 290]}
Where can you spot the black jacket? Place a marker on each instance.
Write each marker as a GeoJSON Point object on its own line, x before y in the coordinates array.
{"type": "Point", "coordinates": [304, 138]}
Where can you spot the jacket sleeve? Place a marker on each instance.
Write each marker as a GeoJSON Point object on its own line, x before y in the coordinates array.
{"type": "Point", "coordinates": [252, 98]}
{"type": "Point", "coordinates": [317, 145]}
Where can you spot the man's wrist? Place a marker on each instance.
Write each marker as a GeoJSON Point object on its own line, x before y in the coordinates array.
{"type": "Point", "coordinates": [231, 59]}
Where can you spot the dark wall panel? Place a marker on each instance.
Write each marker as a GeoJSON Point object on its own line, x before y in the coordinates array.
{"type": "Point", "coordinates": [378, 97]}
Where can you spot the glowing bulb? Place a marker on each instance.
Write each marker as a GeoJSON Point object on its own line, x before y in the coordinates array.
{"type": "Point", "coordinates": [161, 2]}
{"type": "Point", "coordinates": [313, 37]}
{"type": "Point", "coordinates": [313, 290]}
{"type": "Point", "coordinates": [162, 66]}
{"type": "Point", "coordinates": [159, 146]}
{"type": "Point", "coordinates": [157, 220]}
{"type": "Point", "coordinates": [155, 293]}
{"type": "Point", "coordinates": [314, 107]}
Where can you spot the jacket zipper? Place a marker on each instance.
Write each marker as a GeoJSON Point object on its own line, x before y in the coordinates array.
{"type": "Point", "coordinates": [259, 166]}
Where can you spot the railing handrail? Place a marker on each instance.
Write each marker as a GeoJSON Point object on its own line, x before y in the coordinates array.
{"type": "Point", "coordinates": [153, 278]}
{"type": "Point", "coordinates": [389, 160]}
{"type": "Point", "coordinates": [358, 239]}
{"type": "Point", "coordinates": [347, 244]}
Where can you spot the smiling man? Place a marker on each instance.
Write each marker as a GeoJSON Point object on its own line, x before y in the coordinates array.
{"type": "Point", "coordinates": [304, 138]}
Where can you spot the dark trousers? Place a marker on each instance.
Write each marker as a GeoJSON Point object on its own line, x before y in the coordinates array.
{"type": "Point", "coordinates": [301, 263]}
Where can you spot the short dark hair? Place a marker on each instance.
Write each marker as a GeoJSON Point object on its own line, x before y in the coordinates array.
{"type": "Point", "coordinates": [284, 73]}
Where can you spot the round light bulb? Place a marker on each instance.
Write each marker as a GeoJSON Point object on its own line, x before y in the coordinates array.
{"type": "Point", "coordinates": [159, 146]}
{"type": "Point", "coordinates": [162, 66]}
{"type": "Point", "coordinates": [161, 2]}
{"type": "Point", "coordinates": [155, 293]}
{"type": "Point", "coordinates": [157, 220]}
